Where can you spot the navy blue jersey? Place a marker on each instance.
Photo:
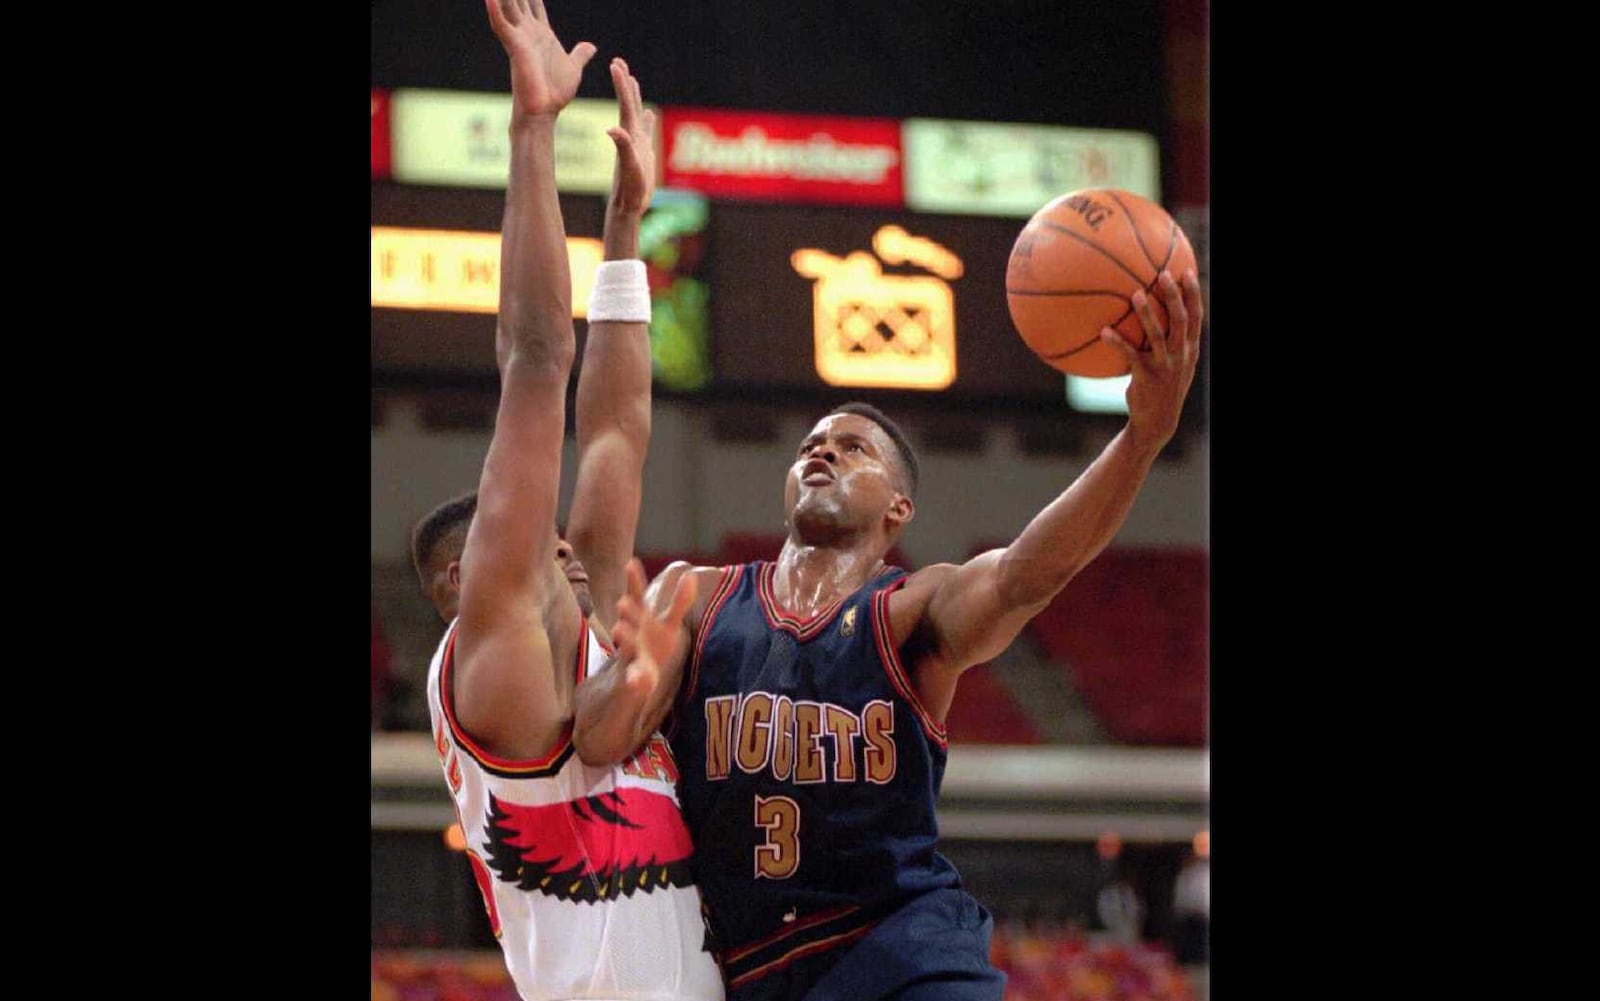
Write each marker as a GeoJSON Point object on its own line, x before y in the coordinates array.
{"type": "Point", "coordinates": [809, 773]}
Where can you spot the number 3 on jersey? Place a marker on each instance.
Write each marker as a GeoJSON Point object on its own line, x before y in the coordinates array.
{"type": "Point", "coordinates": [779, 857]}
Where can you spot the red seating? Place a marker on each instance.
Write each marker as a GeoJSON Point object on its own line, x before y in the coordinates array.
{"type": "Point", "coordinates": [1040, 965]}
{"type": "Point", "coordinates": [985, 713]}
{"type": "Point", "coordinates": [1066, 965]}
{"type": "Point", "coordinates": [1132, 630]}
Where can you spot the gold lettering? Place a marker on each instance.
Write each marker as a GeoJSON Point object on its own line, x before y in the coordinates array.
{"type": "Point", "coordinates": [807, 742]}
{"type": "Point", "coordinates": [779, 856]}
{"type": "Point", "coordinates": [783, 740]}
{"type": "Point", "coordinates": [878, 733]}
{"type": "Point", "coordinates": [755, 731]}
{"type": "Point", "coordinates": [844, 726]}
{"type": "Point", "coordinates": [719, 734]}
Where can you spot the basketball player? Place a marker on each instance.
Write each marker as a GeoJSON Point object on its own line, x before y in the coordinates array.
{"type": "Point", "coordinates": [584, 870]}
{"type": "Point", "coordinates": [808, 699]}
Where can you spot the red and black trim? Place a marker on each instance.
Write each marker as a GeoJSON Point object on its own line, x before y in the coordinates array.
{"type": "Point", "coordinates": [719, 597]}
{"type": "Point", "coordinates": [896, 670]}
{"type": "Point", "coordinates": [777, 618]}
{"type": "Point", "coordinates": [806, 937]}
{"type": "Point", "coordinates": [509, 768]}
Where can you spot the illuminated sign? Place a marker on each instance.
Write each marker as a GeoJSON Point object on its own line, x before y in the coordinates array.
{"type": "Point", "coordinates": [731, 314]}
{"type": "Point", "coordinates": [460, 139]}
{"type": "Point", "coordinates": [1099, 396]}
{"type": "Point", "coordinates": [459, 272]}
{"type": "Point", "coordinates": [795, 158]}
{"type": "Point", "coordinates": [767, 312]}
{"type": "Point", "coordinates": [989, 168]}
{"type": "Point", "coordinates": [887, 331]}
{"type": "Point", "coordinates": [380, 133]}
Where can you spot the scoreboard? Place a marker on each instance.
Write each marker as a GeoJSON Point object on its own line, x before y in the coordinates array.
{"type": "Point", "coordinates": [790, 256]}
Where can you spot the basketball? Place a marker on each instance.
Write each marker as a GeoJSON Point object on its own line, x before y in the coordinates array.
{"type": "Point", "coordinates": [1075, 267]}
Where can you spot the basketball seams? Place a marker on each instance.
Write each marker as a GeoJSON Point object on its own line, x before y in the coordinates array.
{"type": "Point", "coordinates": [1126, 297]}
{"type": "Point", "coordinates": [1138, 237]}
{"type": "Point", "coordinates": [1093, 338]}
{"type": "Point", "coordinates": [1113, 258]}
{"type": "Point", "coordinates": [1086, 345]}
{"type": "Point", "coordinates": [1172, 248]}
{"type": "Point", "coordinates": [1099, 291]}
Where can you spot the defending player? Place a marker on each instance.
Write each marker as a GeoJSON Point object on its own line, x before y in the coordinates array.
{"type": "Point", "coordinates": [584, 870]}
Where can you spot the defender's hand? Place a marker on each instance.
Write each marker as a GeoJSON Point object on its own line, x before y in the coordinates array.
{"type": "Point", "coordinates": [634, 180]}
{"type": "Point", "coordinates": [645, 637]}
{"type": "Point", "coordinates": [544, 76]}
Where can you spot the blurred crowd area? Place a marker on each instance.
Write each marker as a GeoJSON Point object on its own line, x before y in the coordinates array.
{"type": "Point", "coordinates": [1119, 658]}
{"type": "Point", "coordinates": [1106, 921]}
{"type": "Point", "coordinates": [1041, 964]}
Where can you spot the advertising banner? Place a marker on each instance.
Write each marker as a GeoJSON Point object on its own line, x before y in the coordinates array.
{"type": "Point", "coordinates": [460, 139]}
{"type": "Point", "coordinates": [783, 158]}
{"type": "Point", "coordinates": [999, 169]}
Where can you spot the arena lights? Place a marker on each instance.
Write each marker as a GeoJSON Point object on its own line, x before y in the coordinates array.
{"type": "Point", "coordinates": [457, 271]}
{"type": "Point", "coordinates": [884, 331]}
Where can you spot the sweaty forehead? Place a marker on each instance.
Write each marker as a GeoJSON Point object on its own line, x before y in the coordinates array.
{"type": "Point", "coordinates": [835, 425]}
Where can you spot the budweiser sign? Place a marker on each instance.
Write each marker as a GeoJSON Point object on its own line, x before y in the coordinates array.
{"type": "Point", "coordinates": [799, 158]}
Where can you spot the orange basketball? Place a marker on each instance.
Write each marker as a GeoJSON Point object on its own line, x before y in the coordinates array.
{"type": "Point", "coordinates": [1075, 266]}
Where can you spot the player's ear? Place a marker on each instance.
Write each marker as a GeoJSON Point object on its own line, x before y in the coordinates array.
{"type": "Point", "coordinates": [901, 510]}
{"type": "Point", "coordinates": [453, 571]}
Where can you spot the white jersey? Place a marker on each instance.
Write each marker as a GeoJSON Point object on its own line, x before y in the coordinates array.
{"type": "Point", "coordinates": [585, 871]}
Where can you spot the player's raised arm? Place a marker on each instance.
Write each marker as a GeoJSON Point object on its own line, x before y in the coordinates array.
{"type": "Point", "coordinates": [504, 689]}
{"type": "Point", "coordinates": [622, 705]}
{"type": "Point", "coordinates": [973, 611]}
{"type": "Point", "coordinates": [613, 418]}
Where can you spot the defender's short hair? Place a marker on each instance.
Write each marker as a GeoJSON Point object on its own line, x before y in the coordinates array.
{"type": "Point", "coordinates": [908, 455]}
{"type": "Point", "coordinates": [454, 513]}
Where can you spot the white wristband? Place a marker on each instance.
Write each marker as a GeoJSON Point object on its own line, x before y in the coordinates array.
{"type": "Point", "coordinates": [620, 294]}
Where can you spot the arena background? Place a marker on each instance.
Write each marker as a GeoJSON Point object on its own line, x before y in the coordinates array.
{"type": "Point", "coordinates": [1080, 757]}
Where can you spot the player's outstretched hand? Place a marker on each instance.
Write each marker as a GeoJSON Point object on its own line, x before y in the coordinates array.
{"type": "Point", "coordinates": [644, 640]}
{"type": "Point", "coordinates": [1162, 375]}
{"type": "Point", "coordinates": [544, 76]}
{"type": "Point", "coordinates": [634, 135]}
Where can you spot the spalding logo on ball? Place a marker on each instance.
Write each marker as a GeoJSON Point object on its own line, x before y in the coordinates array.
{"type": "Point", "coordinates": [1075, 267]}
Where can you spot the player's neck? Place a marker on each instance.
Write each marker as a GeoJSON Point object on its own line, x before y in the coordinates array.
{"type": "Point", "coordinates": [809, 578]}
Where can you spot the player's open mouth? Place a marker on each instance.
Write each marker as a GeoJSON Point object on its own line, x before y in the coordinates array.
{"type": "Point", "coordinates": [816, 472]}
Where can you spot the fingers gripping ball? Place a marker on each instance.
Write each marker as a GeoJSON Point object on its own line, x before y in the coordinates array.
{"type": "Point", "coordinates": [1074, 268]}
